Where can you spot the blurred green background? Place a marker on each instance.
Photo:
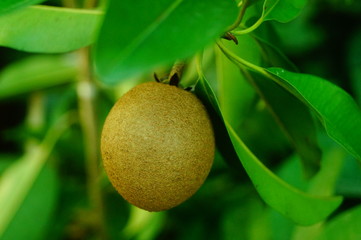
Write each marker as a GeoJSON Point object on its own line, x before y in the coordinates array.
{"type": "Point", "coordinates": [47, 175]}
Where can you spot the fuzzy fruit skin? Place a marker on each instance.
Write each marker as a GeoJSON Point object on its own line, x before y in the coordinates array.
{"type": "Point", "coordinates": [157, 146]}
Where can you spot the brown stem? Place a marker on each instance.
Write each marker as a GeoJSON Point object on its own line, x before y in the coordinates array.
{"type": "Point", "coordinates": [88, 122]}
{"type": "Point", "coordinates": [86, 97]}
{"type": "Point", "coordinates": [176, 73]}
{"type": "Point", "coordinates": [35, 118]}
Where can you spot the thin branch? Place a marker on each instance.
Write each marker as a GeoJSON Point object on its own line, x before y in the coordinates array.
{"type": "Point", "coordinates": [249, 29]}
{"type": "Point", "coordinates": [88, 121]}
{"type": "Point", "coordinates": [238, 21]}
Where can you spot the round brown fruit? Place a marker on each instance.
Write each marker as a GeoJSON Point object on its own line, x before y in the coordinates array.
{"type": "Point", "coordinates": [157, 146]}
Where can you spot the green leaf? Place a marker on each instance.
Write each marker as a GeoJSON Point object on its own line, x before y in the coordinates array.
{"type": "Point", "coordinates": [354, 63]}
{"type": "Point", "coordinates": [295, 120]}
{"type": "Point", "coordinates": [20, 181]}
{"type": "Point", "coordinates": [253, 216]}
{"type": "Point", "coordinates": [273, 56]}
{"type": "Point", "coordinates": [349, 182]}
{"type": "Point", "coordinates": [39, 203]}
{"type": "Point", "coordinates": [11, 5]}
{"type": "Point", "coordinates": [253, 13]}
{"type": "Point", "coordinates": [143, 224]}
{"type": "Point", "coordinates": [323, 183]}
{"type": "Point", "coordinates": [236, 95]}
{"type": "Point", "coordinates": [282, 10]}
{"type": "Point", "coordinates": [35, 73]}
{"type": "Point", "coordinates": [278, 10]}
{"type": "Point", "coordinates": [345, 226]}
{"type": "Point", "coordinates": [299, 36]}
{"type": "Point", "coordinates": [304, 209]}
{"type": "Point", "coordinates": [252, 132]}
{"type": "Point", "coordinates": [337, 111]}
{"type": "Point", "coordinates": [223, 142]}
{"type": "Point", "coordinates": [46, 29]}
{"type": "Point", "coordinates": [134, 39]}
{"type": "Point", "coordinates": [240, 104]}
{"type": "Point", "coordinates": [5, 161]}
{"type": "Point", "coordinates": [22, 196]}
{"type": "Point", "coordinates": [301, 207]}
{"type": "Point", "coordinates": [291, 114]}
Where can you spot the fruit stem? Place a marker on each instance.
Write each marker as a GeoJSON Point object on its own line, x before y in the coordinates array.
{"type": "Point", "coordinates": [176, 73]}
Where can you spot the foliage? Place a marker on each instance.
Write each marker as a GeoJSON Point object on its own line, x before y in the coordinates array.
{"type": "Point", "coordinates": [287, 164]}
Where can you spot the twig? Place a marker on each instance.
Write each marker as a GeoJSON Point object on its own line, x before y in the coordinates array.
{"type": "Point", "coordinates": [86, 95]}
{"type": "Point", "coordinates": [240, 16]}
